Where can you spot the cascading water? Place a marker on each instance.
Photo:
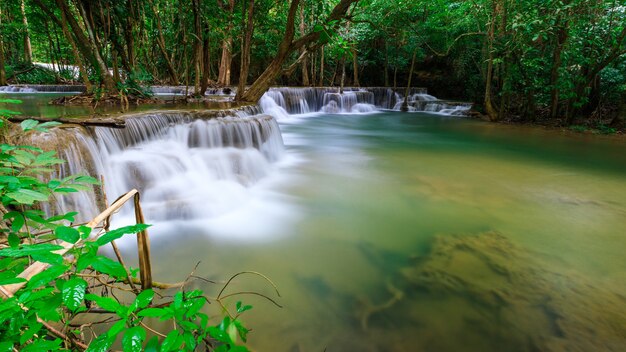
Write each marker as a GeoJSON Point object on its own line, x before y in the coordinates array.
{"type": "Point", "coordinates": [282, 102]}
{"type": "Point", "coordinates": [185, 166]}
{"type": "Point", "coordinates": [42, 88]}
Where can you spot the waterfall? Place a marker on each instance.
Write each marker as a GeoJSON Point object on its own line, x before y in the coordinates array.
{"type": "Point", "coordinates": [42, 88]}
{"type": "Point", "coordinates": [282, 102]}
{"type": "Point", "coordinates": [185, 165]}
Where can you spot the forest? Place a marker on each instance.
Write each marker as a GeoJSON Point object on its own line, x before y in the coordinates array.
{"type": "Point", "coordinates": [526, 60]}
{"type": "Point", "coordinates": [312, 175]}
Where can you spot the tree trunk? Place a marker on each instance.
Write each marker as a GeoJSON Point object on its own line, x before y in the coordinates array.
{"type": "Point", "coordinates": [489, 108]}
{"type": "Point", "coordinates": [197, 46]}
{"type": "Point", "coordinates": [321, 84]}
{"type": "Point", "coordinates": [305, 72]}
{"type": "Point", "coordinates": [343, 75]}
{"type": "Point", "coordinates": [77, 58]}
{"type": "Point", "coordinates": [161, 44]}
{"type": "Point", "coordinates": [405, 103]}
{"type": "Point", "coordinates": [28, 51]}
{"type": "Point", "coordinates": [245, 50]}
{"type": "Point", "coordinates": [386, 66]}
{"type": "Point", "coordinates": [206, 63]}
{"type": "Point", "coordinates": [355, 67]}
{"type": "Point", "coordinates": [561, 38]}
{"type": "Point", "coordinates": [107, 80]}
{"type": "Point", "coordinates": [223, 77]}
{"type": "Point", "coordinates": [287, 46]}
{"type": "Point", "coordinates": [3, 73]}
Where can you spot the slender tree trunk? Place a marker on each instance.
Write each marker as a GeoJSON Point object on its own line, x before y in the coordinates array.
{"type": "Point", "coordinates": [206, 63]}
{"type": "Point", "coordinates": [129, 23]}
{"type": "Point", "coordinates": [355, 68]}
{"type": "Point", "coordinates": [245, 50]}
{"type": "Point", "coordinates": [386, 66]}
{"type": "Point", "coordinates": [77, 58]}
{"type": "Point", "coordinates": [223, 77]}
{"type": "Point", "coordinates": [3, 73]}
{"type": "Point", "coordinates": [491, 111]}
{"type": "Point", "coordinates": [161, 44]}
{"type": "Point", "coordinates": [107, 80]}
{"type": "Point", "coordinates": [28, 51]}
{"type": "Point", "coordinates": [405, 104]}
{"type": "Point", "coordinates": [343, 75]}
{"type": "Point", "coordinates": [197, 51]}
{"type": "Point", "coordinates": [561, 38]}
{"type": "Point", "coordinates": [321, 84]}
{"type": "Point", "coordinates": [305, 72]}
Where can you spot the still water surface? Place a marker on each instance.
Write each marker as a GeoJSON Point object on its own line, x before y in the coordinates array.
{"type": "Point", "coordinates": [417, 232]}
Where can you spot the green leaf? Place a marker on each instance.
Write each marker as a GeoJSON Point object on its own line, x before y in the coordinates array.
{"type": "Point", "coordinates": [241, 309]}
{"type": "Point", "coordinates": [117, 233]}
{"type": "Point", "coordinates": [46, 276]}
{"type": "Point", "coordinates": [32, 330]}
{"type": "Point", "coordinates": [142, 300]}
{"type": "Point", "coordinates": [29, 124]}
{"type": "Point", "coordinates": [27, 196]}
{"type": "Point", "coordinates": [67, 234]}
{"type": "Point", "coordinates": [49, 258]}
{"type": "Point", "coordinates": [73, 293]}
{"type": "Point", "coordinates": [171, 342]}
{"type": "Point", "coordinates": [133, 339]}
{"type": "Point", "coordinates": [43, 345]}
{"type": "Point", "coordinates": [44, 126]}
{"type": "Point", "coordinates": [106, 303]}
{"type": "Point", "coordinates": [18, 222]}
{"type": "Point", "coordinates": [152, 345]}
{"type": "Point", "coordinates": [108, 266]}
{"type": "Point", "coordinates": [6, 346]}
{"type": "Point", "coordinates": [117, 328]}
{"type": "Point", "coordinates": [85, 231]}
{"type": "Point", "coordinates": [243, 331]}
{"type": "Point", "coordinates": [9, 277]}
{"type": "Point", "coordinates": [152, 312]}
{"type": "Point", "coordinates": [29, 249]}
{"type": "Point", "coordinates": [100, 344]}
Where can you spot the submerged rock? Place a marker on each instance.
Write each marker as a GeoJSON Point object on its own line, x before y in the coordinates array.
{"type": "Point", "coordinates": [504, 297]}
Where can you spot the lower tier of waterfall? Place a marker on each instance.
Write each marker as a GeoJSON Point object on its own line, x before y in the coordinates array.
{"type": "Point", "coordinates": [184, 165]}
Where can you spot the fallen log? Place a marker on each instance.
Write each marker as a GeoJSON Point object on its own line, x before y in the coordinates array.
{"type": "Point", "coordinates": [83, 121]}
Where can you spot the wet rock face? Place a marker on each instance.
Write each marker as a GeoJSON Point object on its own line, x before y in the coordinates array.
{"type": "Point", "coordinates": [504, 298]}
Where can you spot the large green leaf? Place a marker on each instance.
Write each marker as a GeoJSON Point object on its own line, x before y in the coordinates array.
{"type": "Point", "coordinates": [171, 342]}
{"type": "Point", "coordinates": [29, 124]}
{"type": "Point", "coordinates": [108, 266]}
{"type": "Point", "coordinates": [133, 339]}
{"type": "Point", "coordinates": [67, 234]}
{"type": "Point", "coordinates": [27, 196]}
{"type": "Point", "coordinates": [100, 344]}
{"type": "Point", "coordinates": [29, 249]}
{"type": "Point", "coordinates": [73, 293]}
{"type": "Point", "coordinates": [106, 303]}
{"type": "Point", "coordinates": [142, 300]}
{"type": "Point", "coordinates": [152, 312]}
{"type": "Point", "coordinates": [117, 233]}
{"type": "Point", "coordinates": [46, 276]}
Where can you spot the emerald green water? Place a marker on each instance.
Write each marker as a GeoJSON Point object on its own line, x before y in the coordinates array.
{"type": "Point", "coordinates": [417, 232]}
{"type": "Point", "coordinates": [414, 232]}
